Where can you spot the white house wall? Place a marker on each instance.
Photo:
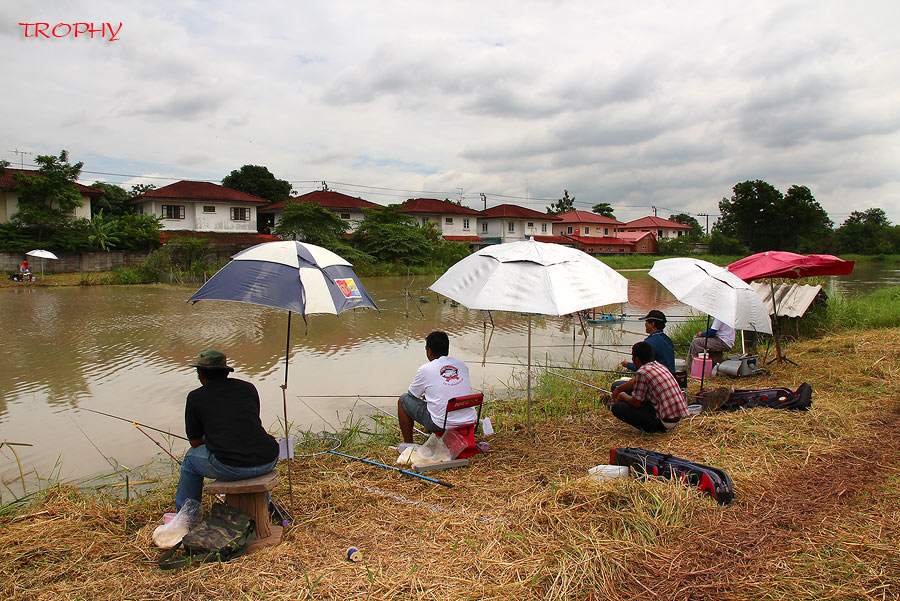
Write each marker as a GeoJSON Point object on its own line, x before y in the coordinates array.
{"type": "Point", "coordinates": [10, 206]}
{"type": "Point", "coordinates": [196, 220]}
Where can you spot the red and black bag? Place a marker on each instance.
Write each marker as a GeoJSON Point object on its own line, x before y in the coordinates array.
{"type": "Point", "coordinates": [773, 398]}
{"type": "Point", "coordinates": [645, 464]}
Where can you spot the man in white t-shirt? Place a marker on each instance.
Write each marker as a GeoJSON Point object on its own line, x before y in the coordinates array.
{"type": "Point", "coordinates": [720, 337]}
{"type": "Point", "coordinates": [436, 382]}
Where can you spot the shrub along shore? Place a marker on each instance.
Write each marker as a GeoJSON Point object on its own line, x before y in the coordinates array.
{"type": "Point", "coordinates": [816, 513]}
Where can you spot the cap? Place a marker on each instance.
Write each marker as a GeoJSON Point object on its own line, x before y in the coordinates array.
{"type": "Point", "coordinates": [211, 359]}
{"type": "Point", "coordinates": [655, 315]}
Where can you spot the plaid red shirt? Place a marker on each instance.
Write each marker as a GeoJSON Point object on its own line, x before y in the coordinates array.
{"type": "Point", "coordinates": [654, 383]}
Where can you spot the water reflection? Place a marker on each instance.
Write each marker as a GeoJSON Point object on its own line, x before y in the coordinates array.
{"type": "Point", "coordinates": [125, 350]}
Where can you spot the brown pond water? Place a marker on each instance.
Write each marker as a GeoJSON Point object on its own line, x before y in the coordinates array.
{"type": "Point", "coordinates": [124, 351]}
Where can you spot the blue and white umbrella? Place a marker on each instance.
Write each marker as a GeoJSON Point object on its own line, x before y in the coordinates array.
{"type": "Point", "coordinates": [298, 277]}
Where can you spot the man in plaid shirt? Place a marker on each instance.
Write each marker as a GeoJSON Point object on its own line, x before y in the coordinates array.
{"type": "Point", "coordinates": [656, 404]}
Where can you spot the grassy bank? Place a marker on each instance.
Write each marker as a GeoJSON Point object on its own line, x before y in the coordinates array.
{"type": "Point", "coordinates": [816, 512]}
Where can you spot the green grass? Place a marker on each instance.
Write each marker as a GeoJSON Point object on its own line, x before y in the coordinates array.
{"type": "Point", "coordinates": [646, 261]}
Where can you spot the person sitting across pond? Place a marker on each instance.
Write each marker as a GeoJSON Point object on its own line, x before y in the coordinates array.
{"type": "Point", "coordinates": [221, 420]}
{"type": "Point", "coordinates": [656, 403]}
{"type": "Point", "coordinates": [435, 383]}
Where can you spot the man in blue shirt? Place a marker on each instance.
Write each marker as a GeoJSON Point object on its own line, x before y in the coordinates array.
{"type": "Point", "coordinates": [663, 348]}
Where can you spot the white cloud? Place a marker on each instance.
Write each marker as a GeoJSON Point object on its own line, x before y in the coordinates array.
{"type": "Point", "coordinates": [653, 104]}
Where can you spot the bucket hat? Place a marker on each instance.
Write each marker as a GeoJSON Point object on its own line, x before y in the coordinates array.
{"type": "Point", "coordinates": [211, 359]}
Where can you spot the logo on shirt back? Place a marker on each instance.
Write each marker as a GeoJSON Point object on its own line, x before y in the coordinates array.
{"type": "Point", "coordinates": [450, 373]}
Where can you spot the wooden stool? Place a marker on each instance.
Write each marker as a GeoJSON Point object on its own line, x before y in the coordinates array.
{"type": "Point", "coordinates": [250, 497]}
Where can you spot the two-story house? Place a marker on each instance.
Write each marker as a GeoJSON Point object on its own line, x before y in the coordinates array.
{"type": "Point", "coordinates": [348, 208]}
{"type": "Point", "coordinates": [200, 207]}
{"type": "Point", "coordinates": [510, 223]}
{"type": "Point", "coordinates": [585, 223]}
{"type": "Point", "coordinates": [9, 196]}
{"type": "Point", "coordinates": [454, 222]}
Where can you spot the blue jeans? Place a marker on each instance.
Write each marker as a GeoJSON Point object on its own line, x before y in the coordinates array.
{"type": "Point", "coordinates": [199, 463]}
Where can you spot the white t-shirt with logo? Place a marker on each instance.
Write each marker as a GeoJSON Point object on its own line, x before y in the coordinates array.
{"type": "Point", "coordinates": [437, 382]}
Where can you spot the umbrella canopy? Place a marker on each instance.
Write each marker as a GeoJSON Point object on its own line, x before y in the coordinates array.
{"type": "Point", "coordinates": [713, 290]}
{"type": "Point", "coordinates": [783, 264]}
{"type": "Point", "coordinates": [44, 254]}
{"type": "Point", "coordinates": [532, 277]}
{"type": "Point", "coordinates": [301, 278]}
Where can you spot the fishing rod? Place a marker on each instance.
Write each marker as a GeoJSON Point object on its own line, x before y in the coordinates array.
{"type": "Point", "coordinates": [396, 469]}
{"type": "Point", "coordinates": [131, 421]}
{"type": "Point", "coordinates": [580, 382]}
{"type": "Point", "coordinates": [165, 450]}
{"type": "Point", "coordinates": [389, 414]}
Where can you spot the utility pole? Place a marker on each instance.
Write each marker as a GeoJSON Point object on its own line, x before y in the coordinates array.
{"type": "Point", "coordinates": [484, 200]}
{"type": "Point", "coordinates": [707, 221]}
{"type": "Point", "coordinates": [654, 211]}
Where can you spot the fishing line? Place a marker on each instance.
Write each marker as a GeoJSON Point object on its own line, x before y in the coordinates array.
{"type": "Point", "coordinates": [389, 414]}
{"type": "Point", "coordinates": [131, 421]}
{"type": "Point", "coordinates": [321, 438]}
{"type": "Point", "coordinates": [111, 464]}
{"type": "Point", "coordinates": [580, 382]}
{"type": "Point", "coordinates": [174, 458]}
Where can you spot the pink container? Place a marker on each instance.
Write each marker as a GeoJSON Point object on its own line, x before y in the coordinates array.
{"type": "Point", "coordinates": [701, 365]}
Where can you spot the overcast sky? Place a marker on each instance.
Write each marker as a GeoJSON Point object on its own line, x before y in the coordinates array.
{"type": "Point", "coordinates": [636, 104]}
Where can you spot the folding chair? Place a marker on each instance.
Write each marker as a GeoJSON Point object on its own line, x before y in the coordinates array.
{"type": "Point", "coordinates": [466, 432]}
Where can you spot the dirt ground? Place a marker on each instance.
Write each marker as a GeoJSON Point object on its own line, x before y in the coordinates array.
{"type": "Point", "coordinates": [815, 515]}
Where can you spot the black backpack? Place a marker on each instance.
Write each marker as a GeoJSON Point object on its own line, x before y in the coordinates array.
{"type": "Point", "coordinates": [224, 534]}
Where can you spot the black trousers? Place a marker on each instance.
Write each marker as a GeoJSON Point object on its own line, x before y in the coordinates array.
{"type": "Point", "coordinates": [643, 417]}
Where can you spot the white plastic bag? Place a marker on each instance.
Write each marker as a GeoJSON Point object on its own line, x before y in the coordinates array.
{"type": "Point", "coordinates": [433, 451]}
{"type": "Point", "coordinates": [169, 535]}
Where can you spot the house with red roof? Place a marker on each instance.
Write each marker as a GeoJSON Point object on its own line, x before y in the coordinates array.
{"type": "Point", "coordinates": [601, 245]}
{"type": "Point", "coordinates": [510, 223]}
{"type": "Point", "coordinates": [200, 207]}
{"type": "Point", "coordinates": [454, 222]}
{"type": "Point", "coordinates": [659, 227]}
{"type": "Point", "coordinates": [9, 196]}
{"type": "Point", "coordinates": [585, 223]}
{"type": "Point", "coordinates": [349, 208]}
{"type": "Point", "coordinates": [641, 242]}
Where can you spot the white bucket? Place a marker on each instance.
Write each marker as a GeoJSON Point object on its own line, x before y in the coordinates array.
{"type": "Point", "coordinates": [608, 472]}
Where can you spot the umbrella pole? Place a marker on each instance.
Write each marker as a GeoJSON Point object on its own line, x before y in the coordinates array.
{"type": "Point", "coordinates": [287, 437]}
{"type": "Point", "coordinates": [528, 406]}
{"type": "Point", "coordinates": [775, 321]}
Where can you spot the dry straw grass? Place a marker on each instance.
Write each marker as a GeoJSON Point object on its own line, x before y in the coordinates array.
{"type": "Point", "coordinates": [815, 514]}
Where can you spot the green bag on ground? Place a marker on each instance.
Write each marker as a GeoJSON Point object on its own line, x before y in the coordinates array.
{"type": "Point", "coordinates": [224, 534]}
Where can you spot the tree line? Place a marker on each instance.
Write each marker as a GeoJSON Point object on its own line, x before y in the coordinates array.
{"type": "Point", "coordinates": [757, 217]}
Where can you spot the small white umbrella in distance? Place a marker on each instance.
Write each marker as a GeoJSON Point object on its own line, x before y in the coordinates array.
{"type": "Point", "coordinates": [532, 277]}
{"type": "Point", "coordinates": [43, 254]}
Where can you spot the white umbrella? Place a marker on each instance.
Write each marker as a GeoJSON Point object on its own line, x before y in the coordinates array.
{"type": "Point", "coordinates": [43, 254]}
{"type": "Point", "coordinates": [713, 290]}
{"type": "Point", "coordinates": [532, 277]}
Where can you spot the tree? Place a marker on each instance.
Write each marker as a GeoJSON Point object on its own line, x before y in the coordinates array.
{"type": "Point", "coordinates": [801, 214]}
{"type": "Point", "coordinates": [389, 235]}
{"type": "Point", "coordinates": [137, 232]}
{"type": "Point", "coordinates": [563, 205]}
{"type": "Point", "coordinates": [604, 209]}
{"type": "Point", "coordinates": [760, 217]}
{"type": "Point", "coordinates": [103, 232]}
{"type": "Point", "coordinates": [311, 222]}
{"type": "Point", "coordinates": [867, 232]}
{"type": "Point", "coordinates": [114, 201]}
{"type": "Point", "coordinates": [138, 189]}
{"type": "Point", "coordinates": [48, 198]}
{"type": "Point", "coordinates": [689, 220]}
{"type": "Point", "coordinates": [258, 181]}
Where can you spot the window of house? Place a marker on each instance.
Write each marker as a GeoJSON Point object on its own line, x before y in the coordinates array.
{"type": "Point", "coordinates": [511, 227]}
{"type": "Point", "coordinates": [531, 225]}
{"type": "Point", "coordinates": [543, 228]}
{"type": "Point", "coordinates": [569, 229]}
{"type": "Point", "coordinates": [606, 231]}
{"type": "Point", "coordinates": [484, 227]}
{"type": "Point", "coordinates": [659, 233]}
{"type": "Point", "coordinates": [173, 211]}
{"type": "Point", "coordinates": [465, 224]}
{"type": "Point", "coordinates": [209, 208]}
{"type": "Point", "coordinates": [240, 214]}
{"type": "Point", "coordinates": [448, 220]}
{"type": "Point", "coordinates": [345, 216]}
{"type": "Point", "coordinates": [587, 230]}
